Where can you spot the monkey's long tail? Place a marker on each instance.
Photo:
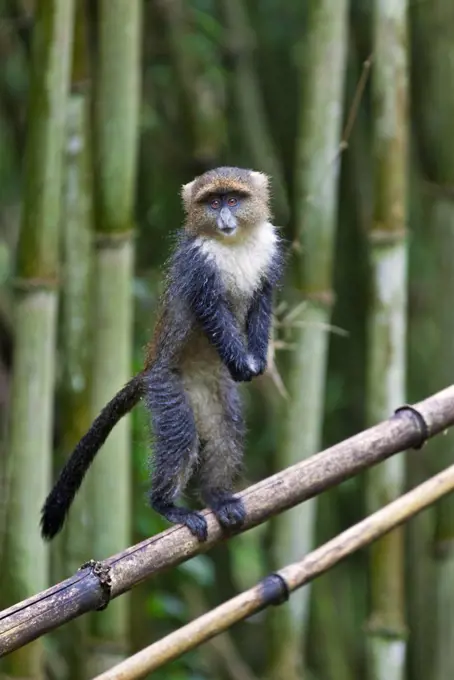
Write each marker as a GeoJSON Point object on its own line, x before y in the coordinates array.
{"type": "Point", "coordinates": [62, 495]}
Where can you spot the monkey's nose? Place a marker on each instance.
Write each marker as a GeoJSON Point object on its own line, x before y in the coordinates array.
{"type": "Point", "coordinates": [226, 221]}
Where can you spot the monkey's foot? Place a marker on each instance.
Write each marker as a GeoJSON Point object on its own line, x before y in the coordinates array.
{"type": "Point", "coordinates": [195, 522]}
{"type": "Point", "coordinates": [230, 511]}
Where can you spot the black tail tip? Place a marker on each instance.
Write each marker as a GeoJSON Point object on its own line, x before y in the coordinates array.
{"type": "Point", "coordinates": [51, 523]}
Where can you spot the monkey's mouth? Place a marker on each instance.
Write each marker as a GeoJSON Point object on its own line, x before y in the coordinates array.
{"type": "Point", "coordinates": [227, 230]}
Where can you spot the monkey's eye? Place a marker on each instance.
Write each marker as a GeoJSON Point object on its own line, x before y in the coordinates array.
{"type": "Point", "coordinates": [215, 203]}
{"type": "Point", "coordinates": [232, 201]}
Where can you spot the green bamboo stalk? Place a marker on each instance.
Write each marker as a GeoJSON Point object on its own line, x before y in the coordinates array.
{"type": "Point", "coordinates": [249, 103]}
{"type": "Point", "coordinates": [75, 413]}
{"type": "Point", "coordinates": [422, 346]}
{"type": "Point", "coordinates": [200, 100]}
{"type": "Point", "coordinates": [115, 143]}
{"type": "Point", "coordinates": [434, 103]}
{"type": "Point", "coordinates": [387, 326]}
{"type": "Point", "coordinates": [35, 326]}
{"type": "Point", "coordinates": [316, 184]}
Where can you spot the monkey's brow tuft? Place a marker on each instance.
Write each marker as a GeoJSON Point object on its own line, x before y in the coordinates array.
{"type": "Point", "coordinates": [209, 196]}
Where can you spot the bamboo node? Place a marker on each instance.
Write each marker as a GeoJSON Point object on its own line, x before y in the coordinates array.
{"type": "Point", "coordinates": [105, 240]}
{"type": "Point", "coordinates": [274, 590]}
{"type": "Point", "coordinates": [387, 237]}
{"type": "Point", "coordinates": [323, 298]}
{"type": "Point", "coordinates": [35, 283]}
{"type": "Point", "coordinates": [418, 418]}
{"type": "Point", "coordinates": [102, 572]}
{"type": "Point", "coordinates": [391, 630]}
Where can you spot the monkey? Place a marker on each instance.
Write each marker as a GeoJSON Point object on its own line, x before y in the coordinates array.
{"type": "Point", "coordinates": [212, 333]}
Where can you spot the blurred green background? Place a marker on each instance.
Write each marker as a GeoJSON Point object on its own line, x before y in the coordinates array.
{"type": "Point", "coordinates": [106, 108]}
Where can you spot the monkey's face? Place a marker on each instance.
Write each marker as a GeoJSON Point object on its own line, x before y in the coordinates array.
{"type": "Point", "coordinates": [226, 202]}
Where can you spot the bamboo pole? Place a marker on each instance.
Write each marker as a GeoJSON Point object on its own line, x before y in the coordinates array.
{"type": "Point", "coordinates": [86, 591]}
{"type": "Point", "coordinates": [387, 327]}
{"type": "Point", "coordinates": [116, 112]}
{"type": "Point", "coordinates": [316, 182]}
{"type": "Point", "coordinates": [75, 329]}
{"type": "Point", "coordinates": [200, 100]}
{"type": "Point", "coordinates": [30, 456]}
{"type": "Point", "coordinates": [249, 103]}
{"type": "Point", "coordinates": [273, 589]}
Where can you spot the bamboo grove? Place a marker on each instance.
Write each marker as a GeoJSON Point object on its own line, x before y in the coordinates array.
{"type": "Point", "coordinates": [106, 109]}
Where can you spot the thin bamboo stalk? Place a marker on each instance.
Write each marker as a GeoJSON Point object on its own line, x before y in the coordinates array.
{"type": "Point", "coordinates": [420, 584]}
{"type": "Point", "coordinates": [249, 102]}
{"type": "Point", "coordinates": [294, 576]}
{"type": "Point", "coordinates": [27, 561]}
{"type": "Point", "coordinates": [387, 326]}
{"type": "Point", "coordinates": [200, 100]}
{"type": "Point", "coordinates": [116, 109]}
{"type": "Point", "coordinates": [75, 330]}
{"type": "Point", "coordinates": [316, 180]}
{"type": "Point", "coordinates": [84, 592]}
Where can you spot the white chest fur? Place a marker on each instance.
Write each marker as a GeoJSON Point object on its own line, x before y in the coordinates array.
{"type": "Point", "coordinates": [243, 261]}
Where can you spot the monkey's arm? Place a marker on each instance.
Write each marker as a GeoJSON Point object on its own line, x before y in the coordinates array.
{"type": "Point", "coordinates": [258, 325]}
{"type": "Point", "coordinates": [258, 322]}
{"type": "Point", "coordinates": [199, 284]}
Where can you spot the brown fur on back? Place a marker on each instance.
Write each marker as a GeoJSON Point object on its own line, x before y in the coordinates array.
{"type": "Point", "coordinates": [152, 346]}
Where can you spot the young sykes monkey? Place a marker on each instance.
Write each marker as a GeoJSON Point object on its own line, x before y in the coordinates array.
{"type": "Point", "coordinates": [212, 332]}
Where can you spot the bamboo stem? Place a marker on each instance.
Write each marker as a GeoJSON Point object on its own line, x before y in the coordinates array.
{"type": "Point", "coordinates": [83, 592]}
{"type": "Point", "coordinates": [387, 326]}
{"type": "Point", "coordinates": [29, 462]}
{"type": "Point", "coordinates": [116, 108]}
{"type": "Point", "coordinates": [75, 329]}
{"type": "Point", "coordinates": [199, 99]}
{"type": "Point", "coordinates": [249, 103]}
{"type": "Point", "coordinates": [294, 576]}
{"type": "Point", "coordinates": [316, 181]}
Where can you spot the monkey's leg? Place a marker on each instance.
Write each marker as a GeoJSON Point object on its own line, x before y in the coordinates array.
{"type": "Point", "coordinates": [222, 455]}
{"type": "Point", "coordinates": [175, 448]}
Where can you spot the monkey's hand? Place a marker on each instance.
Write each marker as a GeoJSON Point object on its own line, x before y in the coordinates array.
{"type": "Point", "coordinates": [257, 365]}
{"type": "Point", "coordinates": [260, 364]}
{"type": "Point", "coordinates": [244, 371]}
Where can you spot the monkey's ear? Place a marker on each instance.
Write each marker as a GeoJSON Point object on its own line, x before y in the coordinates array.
{"type": "Point", "coordinates": [260, 180]}
{"type": "Point", "coordinates": [186, 194]}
